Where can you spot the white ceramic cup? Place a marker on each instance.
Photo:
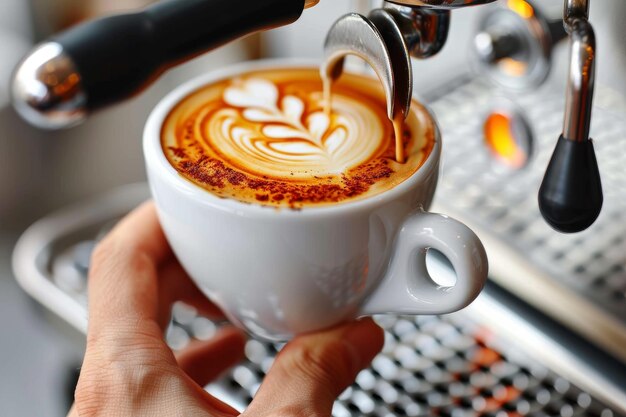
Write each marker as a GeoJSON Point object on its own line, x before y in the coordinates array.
{"type": "Point", "coordinates": [277, 273]}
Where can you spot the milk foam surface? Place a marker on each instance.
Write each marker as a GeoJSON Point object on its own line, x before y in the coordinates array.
{"type": "Point", "coordinates": [265, 138]}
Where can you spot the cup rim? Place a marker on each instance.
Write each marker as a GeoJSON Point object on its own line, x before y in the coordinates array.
{"type": "Point", "coordinates": [155, 156]}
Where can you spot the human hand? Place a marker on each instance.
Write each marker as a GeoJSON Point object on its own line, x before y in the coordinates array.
{"type": "Point", "coordinates": [129, 370]}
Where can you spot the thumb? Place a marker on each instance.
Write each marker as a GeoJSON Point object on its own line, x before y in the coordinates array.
{"type": "Point", "coordinates": [313, 370]}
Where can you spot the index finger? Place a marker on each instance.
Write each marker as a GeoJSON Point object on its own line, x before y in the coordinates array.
{"type": "Point", "coordinates": [123, 279]}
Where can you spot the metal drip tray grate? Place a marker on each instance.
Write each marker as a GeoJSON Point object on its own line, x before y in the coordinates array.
{"type": "Point", "coordinates": [436, 366]}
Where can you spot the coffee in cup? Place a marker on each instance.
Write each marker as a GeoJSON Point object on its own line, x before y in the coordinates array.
{"type": "Point", "coordinates": [265, 137]}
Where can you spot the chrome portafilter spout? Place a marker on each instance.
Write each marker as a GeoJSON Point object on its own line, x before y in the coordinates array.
{"type": "Point", "coordinates": [102, 62]}
{"type": "Point", "coordinates": [570, 197]}
{"type": "Point", "coordinates": [387, 39]}
{"type": "Point", "coordinates": [385, 51]}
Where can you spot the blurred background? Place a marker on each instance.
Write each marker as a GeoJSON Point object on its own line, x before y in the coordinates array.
{"type": "Point", "coordinates": [41, 172]}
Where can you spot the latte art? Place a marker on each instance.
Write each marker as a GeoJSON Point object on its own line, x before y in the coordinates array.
{"type": "Point", "coordinates": [292, 137]}
{"type": "Point", "coordinates": [266, 138]}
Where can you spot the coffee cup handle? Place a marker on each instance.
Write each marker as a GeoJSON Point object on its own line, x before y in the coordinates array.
{"type": "Point", "coordinates": [408, 288]}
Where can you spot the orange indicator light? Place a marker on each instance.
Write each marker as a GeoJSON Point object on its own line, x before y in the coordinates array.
{"type": "Point", "coordinates": [500, 139]}
{"type": "Point", "coordinates": [513, 67]}
{"type": "Point", "coordinates": [522, 8]}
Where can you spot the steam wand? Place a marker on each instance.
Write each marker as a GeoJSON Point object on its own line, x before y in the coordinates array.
{"type": "Point", "coordinates": [570, 197]}
{"type": "Point", "coordinates": [105, 61]}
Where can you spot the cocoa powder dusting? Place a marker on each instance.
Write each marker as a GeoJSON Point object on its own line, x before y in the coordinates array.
{"type": "Point", "coordinates": [178, 152]}
{"type": "Point", "coordinates": [213, 173]}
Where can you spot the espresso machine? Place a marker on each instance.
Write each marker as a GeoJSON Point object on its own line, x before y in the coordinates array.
{"type": "Point", "coordinates": [88, 68]}
{"type": "Point", "coordinates": [548, 336]}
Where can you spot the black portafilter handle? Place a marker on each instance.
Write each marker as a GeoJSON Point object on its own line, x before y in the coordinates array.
{"type": "Point", "coordinates": [104, 61]}
{"type": "Point", "coordinates": [570, 197]}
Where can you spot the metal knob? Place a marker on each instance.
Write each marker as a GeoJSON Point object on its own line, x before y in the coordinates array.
{"type": "Point", "coordinates": [47, 89]}
{"type": "Point", "coordinates": [514, 44]}
{"type": "Point", "coordinates": [570, 197]}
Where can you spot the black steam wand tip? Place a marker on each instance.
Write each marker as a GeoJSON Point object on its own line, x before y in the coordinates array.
{"type": "Point", "coordinates": [570, 197]}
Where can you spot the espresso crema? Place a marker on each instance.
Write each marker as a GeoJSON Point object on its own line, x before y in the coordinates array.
{"type": "Point", "coordinates": [265, 138]}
